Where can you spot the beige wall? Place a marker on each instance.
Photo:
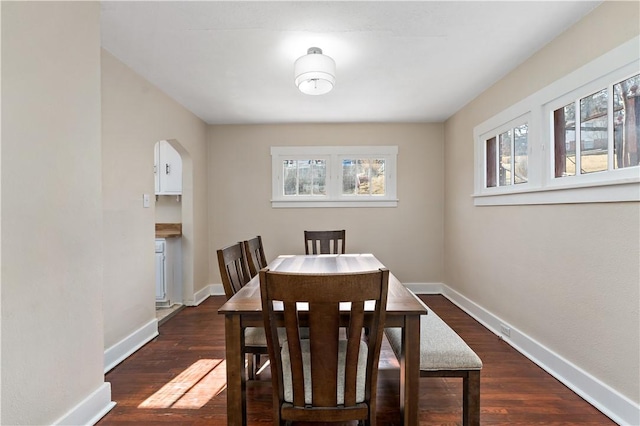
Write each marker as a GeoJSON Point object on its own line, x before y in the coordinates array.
{"type": "Point", "coordinates": [408, 239]}
{"type": "Point", "coordinates": [135, 115]}
{"type": "Point", "coordinates": [51, 210]}
{"type": "Point", "coordinates": [168, 209]}
{"type": "Point", "coordinates": [566, 275]}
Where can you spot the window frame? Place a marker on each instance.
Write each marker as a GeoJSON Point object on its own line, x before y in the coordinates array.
{"type": "Point", "coordinates": [616, 185]}
{"type": "Point", "coordinates": [610, 176]}
{"type": "Point", "coordinates": [495, 133]}
{"type": "Point", "coordinates": [334, 155]}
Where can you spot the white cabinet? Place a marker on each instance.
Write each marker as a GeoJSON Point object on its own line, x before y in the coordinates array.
{"type": "Point", "coordinates": [168, 271]}
{"type": "Point", "coordinates": [168, 169]}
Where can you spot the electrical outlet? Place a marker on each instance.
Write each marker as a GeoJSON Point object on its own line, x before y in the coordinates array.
{"type": "Point", "coordinates": [506, 331]}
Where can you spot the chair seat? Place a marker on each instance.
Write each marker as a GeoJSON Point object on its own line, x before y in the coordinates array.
{"type": "Point", "coordinates": [441, 348]}
{"type": "Point", "coordinates": [306, 361]}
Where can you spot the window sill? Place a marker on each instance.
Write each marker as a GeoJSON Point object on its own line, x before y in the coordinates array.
{"type": "Point", "coordinates": [333, 203]}
{"type": "Point", "coordinates": [626, 191]}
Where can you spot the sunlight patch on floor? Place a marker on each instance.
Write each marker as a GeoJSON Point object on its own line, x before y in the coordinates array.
{"type": "Point", "coordinates": [192, 388]}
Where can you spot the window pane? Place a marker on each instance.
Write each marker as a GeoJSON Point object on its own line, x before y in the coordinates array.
{"type": "Point", "coordinates": [505, 158]}
{"type": "Point", "coordinates": [564, 130]}
{"type": "Point", "coordinates": [593, 132]}
{"type": "Point", "coordinates": [304, 177]}
{"type": "Point", "coordinates": [377, 177]}
{"type": "Point", "coordinates": [521, 147]}
{"type": "Point", "coordinates": [363, 177]}
{"type": "Point", "coordinates": [290, 176]}
{"type": "Point", "coordinates": [626, 125]}
{"type": "Point", "coordinates": [491, 162]}
{"type": "Point", "coordinates": [319, 177]}
{"type": "Point", "coordinates": [348, 177]}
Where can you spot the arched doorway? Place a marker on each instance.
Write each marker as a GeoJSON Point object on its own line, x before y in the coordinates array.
{"type": "Point", "coordinates": [174, 224]}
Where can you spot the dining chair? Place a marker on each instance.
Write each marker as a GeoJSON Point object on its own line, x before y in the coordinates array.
{"type": "Point", "coordinates": [254, 251]}
{"type": "Point", "coordinates": [324, 242]}
{"type": "Point", "coordinates": [332, 375]}
{"type": "Point", "coordinates": [234, 274]}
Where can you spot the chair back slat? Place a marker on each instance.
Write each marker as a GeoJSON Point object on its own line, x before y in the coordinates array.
{"type": "Point", "coordinates": [295, 351]}
{"type": "Point", "coordinates": [335, 346]}
{"type": "Point", "coordinates": [324, 242]}
{"type": "Point", "coordinates": [356, 325]}
{"type": "Point", "coordinates": [324, 327]}
{"type": "Point", "coordinates": [233, 269]}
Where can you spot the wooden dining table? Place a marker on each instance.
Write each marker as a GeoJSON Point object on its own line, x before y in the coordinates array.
{"type": "Point", "coordinates": [244, 309]}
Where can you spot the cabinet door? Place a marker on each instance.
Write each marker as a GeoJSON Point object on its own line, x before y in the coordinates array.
{"type": "Point", "coordinates": [170, 170]}
{"type": "Point", "coordinates": [173, 268]}
{"type": "Point", "coordinates": [161, 293]}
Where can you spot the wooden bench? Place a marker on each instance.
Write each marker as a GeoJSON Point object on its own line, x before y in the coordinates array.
{"type": "Point", "coordinates": [443, 353]}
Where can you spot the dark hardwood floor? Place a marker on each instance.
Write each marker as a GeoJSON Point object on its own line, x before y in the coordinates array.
{"type": "Point", "coordinates": [179, 379]}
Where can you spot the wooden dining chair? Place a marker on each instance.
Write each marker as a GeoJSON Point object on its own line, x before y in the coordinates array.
{"type": "Point", "coordinates": [324, 242]}
{"type": "Point", "coordinates": [234, 274]}
{"type": "Point", "coordinates": [332, 375]}
{"type": "Point", "coordinates": [254, 251]}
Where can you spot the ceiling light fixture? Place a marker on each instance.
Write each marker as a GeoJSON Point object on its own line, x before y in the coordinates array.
{"type": "Point", "coordinates": [315, 73]}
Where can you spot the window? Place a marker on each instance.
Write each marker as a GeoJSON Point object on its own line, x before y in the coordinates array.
{"type": "Point", "coordinates": [574, 141]}
{"type": "Point", "coordinates": [606, 124]}
{"type": "Point", "coordinates": [334, 176]}
{"type": "Point", "coordinates": [507, 157]}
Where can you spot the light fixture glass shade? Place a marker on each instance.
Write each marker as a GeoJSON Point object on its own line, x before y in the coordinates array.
{"type": "Point", "coordinates": [315, 73]}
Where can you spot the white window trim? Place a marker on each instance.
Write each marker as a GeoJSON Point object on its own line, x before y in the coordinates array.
{"type": "Point", "coordinates": [542, 187]}
{"type": "Point", "coordinates": [334, 155]}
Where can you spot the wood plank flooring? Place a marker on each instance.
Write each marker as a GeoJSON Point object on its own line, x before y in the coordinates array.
{"type": "Point", "coordinates": [179, 379]}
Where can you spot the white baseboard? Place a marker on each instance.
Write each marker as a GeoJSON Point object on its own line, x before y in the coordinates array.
{"type": "Point", "coordinates": [200, 296]}
{"type": "Point", "coordinates": [614, 405]}
{"type": "Point", "coordinates": [425, 288]}
{"type": "Point", "coordinates": [210, 290]}
{"type": "Point", "coordinates": [216, 290]}
{"type": "Point", "coordinates": [121, 350]}
{"type": "Point", "coordinates": [91, 409]}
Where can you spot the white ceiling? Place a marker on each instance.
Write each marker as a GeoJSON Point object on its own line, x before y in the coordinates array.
{"type": "Point", "coordinates": [231, 62]}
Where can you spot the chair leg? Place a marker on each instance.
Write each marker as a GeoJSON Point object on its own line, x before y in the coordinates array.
{"type": "Point", "coordinates": [257, 358]}
{"type": "Point", "coordinates": [471, 398]}
{"type": "Point", "coordinates": [251, 370]}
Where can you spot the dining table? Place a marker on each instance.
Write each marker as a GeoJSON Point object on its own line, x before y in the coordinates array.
{"type": "Point", "coordinates": [244, 309]}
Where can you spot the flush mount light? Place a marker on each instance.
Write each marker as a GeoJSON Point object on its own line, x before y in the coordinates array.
{"type": "Point", "coordinates": [315, 73]}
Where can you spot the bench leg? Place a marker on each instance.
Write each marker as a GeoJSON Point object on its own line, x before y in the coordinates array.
{"type": "Point", "coordinates": [471, 398]}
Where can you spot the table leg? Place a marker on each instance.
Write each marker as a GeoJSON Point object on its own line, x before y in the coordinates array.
{"type": "Point", "coordinates": [410, 370]}
{"type": "Point", "coordinates": [236, 384]}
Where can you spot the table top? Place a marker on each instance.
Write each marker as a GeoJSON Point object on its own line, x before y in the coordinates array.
{"type": "Point", "coordinates": [400, 300]}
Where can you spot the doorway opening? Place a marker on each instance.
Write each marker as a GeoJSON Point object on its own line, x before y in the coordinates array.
{"type": "Point", "coordinates": [169, 259]}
